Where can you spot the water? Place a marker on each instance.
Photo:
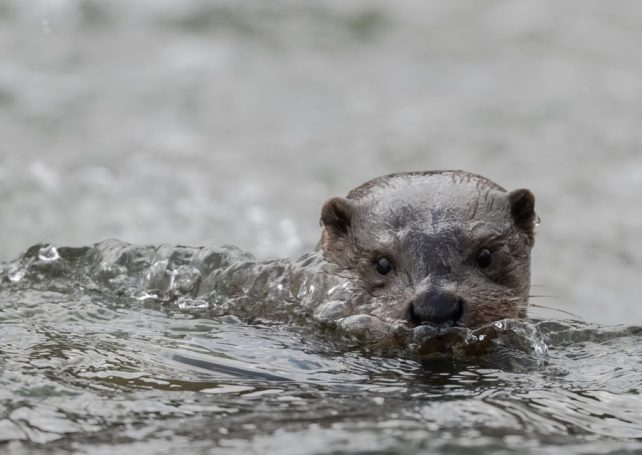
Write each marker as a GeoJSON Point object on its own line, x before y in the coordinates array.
{"type": "Point", "coordinates": [199, 122]}
{"type": "Point", "coordinates": [103, 348]}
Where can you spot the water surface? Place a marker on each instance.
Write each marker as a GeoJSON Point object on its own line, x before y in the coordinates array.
{"type": "Point", "coordinates": [94, 360]}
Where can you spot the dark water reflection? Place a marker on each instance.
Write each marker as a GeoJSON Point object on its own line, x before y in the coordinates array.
{"type": "Point", "coordinates": [90, 368]}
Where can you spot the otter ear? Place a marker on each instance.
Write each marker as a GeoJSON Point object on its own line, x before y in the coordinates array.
{"type": "Point", "coordinates": [336, 215]}
{"type": "Point", "coordinates": [522, 209]}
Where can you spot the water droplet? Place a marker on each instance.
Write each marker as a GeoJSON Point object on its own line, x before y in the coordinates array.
{"type": "Point", "coordinates": [16, 273]}
{"type": "Point", "coordinates": [332, 310]}
{"type": "Point", "coordinates": [364, 326]}
{"type": "Point", "coordinates": [193, 304]}
{"type": "Point", "coordinates": [48, 253]}
{"type": "Point", "coordinates": [184, 278]}
{"type": "Point", "coordinates": [142, 294]}
{"type": "Point", "coordinates": [540, 348]}
{"type": "Point", "coordinates": [332, 289]}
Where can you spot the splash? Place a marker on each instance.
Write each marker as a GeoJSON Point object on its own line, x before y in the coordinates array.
{"type": "Point", "coordinates": [306, 292]}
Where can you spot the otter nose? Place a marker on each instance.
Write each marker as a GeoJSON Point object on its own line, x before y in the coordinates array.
{"type": "Point", "coordinates": [437, 307]}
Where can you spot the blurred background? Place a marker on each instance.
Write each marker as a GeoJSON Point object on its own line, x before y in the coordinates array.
{"type": "Point", "coordinates": [205, 122]}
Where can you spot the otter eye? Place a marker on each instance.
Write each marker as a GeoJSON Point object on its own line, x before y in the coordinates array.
{"type": "Point", "coordinates": [383, 266]}
{"type": "Point", "coordinates": [484, 258]}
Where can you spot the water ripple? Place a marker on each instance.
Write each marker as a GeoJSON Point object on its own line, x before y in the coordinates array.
{"type": "Point", "coordinates": [89, 362]}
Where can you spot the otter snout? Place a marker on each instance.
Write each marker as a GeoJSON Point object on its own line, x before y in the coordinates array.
{"type": "Point", "coordinates": [436, 308]}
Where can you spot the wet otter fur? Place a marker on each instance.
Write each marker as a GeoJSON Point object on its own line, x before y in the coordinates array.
{"type": "Point", "coordinates": [436, 247]}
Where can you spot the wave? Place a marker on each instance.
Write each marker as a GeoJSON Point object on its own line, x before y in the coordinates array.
{"type": "Point", "coordinates": [305, 292]}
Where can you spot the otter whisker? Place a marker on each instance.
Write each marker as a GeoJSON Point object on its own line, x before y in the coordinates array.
{"type": "Point", "coordinates": [534, 305]}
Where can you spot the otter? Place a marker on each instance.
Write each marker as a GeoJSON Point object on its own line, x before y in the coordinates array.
{"type": "Point", "coordinates": [434, 247]}
{"type": "Point", "coordinates": [408, 251]}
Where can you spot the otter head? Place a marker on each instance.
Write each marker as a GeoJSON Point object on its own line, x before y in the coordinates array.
{"type": "Point", "coordinates": [444, 247]}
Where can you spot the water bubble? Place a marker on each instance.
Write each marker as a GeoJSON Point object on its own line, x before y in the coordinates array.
{"type": "Point", "coordinates": [48, 253]}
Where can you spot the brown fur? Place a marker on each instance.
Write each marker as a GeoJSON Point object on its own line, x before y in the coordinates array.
{"type": "Point", "coordinates": [431, 226]}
